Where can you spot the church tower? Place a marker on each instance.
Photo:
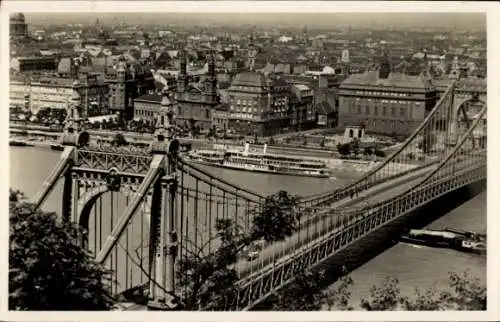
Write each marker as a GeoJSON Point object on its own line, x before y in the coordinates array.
{"type": "Point", "coordinates": [455, 71]}
{"type": "Point", "coordinates": [211, 80]}
{"type": "Point", "coordinates": [252, 53]}
{"type": "Point", "coordinates": [384, 68]}
{"type": "Point", "coordinates": [182, 80]}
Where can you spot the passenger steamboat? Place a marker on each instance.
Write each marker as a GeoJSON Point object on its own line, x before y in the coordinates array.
{"type": "Point", "coordinates": [260, 162]}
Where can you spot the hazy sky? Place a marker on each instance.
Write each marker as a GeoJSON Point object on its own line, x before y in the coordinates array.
{"type": "Point", "coordinates": [450, 21]}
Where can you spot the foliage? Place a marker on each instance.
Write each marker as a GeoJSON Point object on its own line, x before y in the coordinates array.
{"type": "Point", "coordinates": [48, 270]}
{"type": "Point", "coordinates": [467, 294]}
{"type": "Point", "coordinates": [271, 141]}
{"type": "Point", "coordinates": [383, 298]}
{"type": "Point", "coordinates": [322, 142]}
{"type": "Point", "coordinates": [428, 300]}
{"type": "Point", "coordinates": [212, 131]}
{"type": "Point", "coordinates": [427, 143]}
{"type": "Point", "coordinates": [15, 195]}
{"type": "Point", "coordinates": [302, 294]}
{"type": "Point", "coordinates": [338, 297]}
{"type": "Point", "coordinates": [278, 217]}
{"type": "Point", "coordinates": [207, 280]}
{"type": "Point", "coordinates": [379, 153]}
{"type": "Point", "coordinates": [306, 293]}
{"type": "Point", "coordinates": [368, 151]}
{"type": "Point", "coordinates": [119, 140]}
{"type": "Point", "coordinates": [344, 149]}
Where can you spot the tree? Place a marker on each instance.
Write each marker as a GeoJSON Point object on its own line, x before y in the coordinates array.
{"type": "Point", "coordinates": [271, 141]}
{"type": "Point", "coordinates": [278, 217]}
{"type": "Point", "coordinates": [383, 298]}
{"type": "Point", "coordinates": [208, 280]}
{"type": "Point", "coordinates": [368, 151]}
{"type": "Point", "coordinates": [338, 297]}
{"type": "Point", "coordinates": [48, 270]}
{"type": "Point", "coordinates": [192, 125]}
{"type": "Point", "coordinates": [119, 140]}
{"type": "Point", "coordinates": [427, 143]}
{"type": "Point", "coordinates": [303, 294]}
{"type": "Point", "coordinates": [379, 153]}
{"type": "Point", "coordinates": [344, 149]}
{"type": "Point", "coordinates": [322, 142]}
{"type": "Point", "coordinates": [468, 293]}
{"type": "Point", "coordinates": [15, 195]}
{"type": "Point", "coordinates": [428, 300]}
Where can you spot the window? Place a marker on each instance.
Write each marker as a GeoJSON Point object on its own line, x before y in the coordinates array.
{"type": "Point", "coordinates": [375, 111]}
{"type": "Point", "coordinates": [359, 109]}
{"type": "Point", "coordinates": [367, 110]}
{"type": "Point", "coordinates": [393, 111]}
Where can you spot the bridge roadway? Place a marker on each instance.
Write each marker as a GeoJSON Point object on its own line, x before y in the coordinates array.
{"type": "Point", "coordinates": [312, 227]}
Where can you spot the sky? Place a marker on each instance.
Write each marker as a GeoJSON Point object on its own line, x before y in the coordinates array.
{"type": "Point", "coordinates": [445, 21]}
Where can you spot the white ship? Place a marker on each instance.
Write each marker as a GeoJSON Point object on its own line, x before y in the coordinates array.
{"type": "Point", "coordinates": [261, 162]}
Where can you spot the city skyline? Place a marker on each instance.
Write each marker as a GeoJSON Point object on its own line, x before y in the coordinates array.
{"type": "Point", "coordinates": [411, 20]}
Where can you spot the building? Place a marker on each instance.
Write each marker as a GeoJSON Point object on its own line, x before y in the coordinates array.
{"type": "Point", "coordinates": [147, 106]}
{"type": "Point", "coordinates": [44, 92]}
{"type": "Point", "coordinates": [127, 81]}
{"type": "Point", "coordinates": [18, 26]}
{"type": "Point", "coordinates": [196, 101]}
{"type": "Point", "coordinates": [385, 102]}
{"type": "Point", "coordinates": [258, 106]}
{"type": "Point", "coordinates": [326, 115]}
{"type": "Point", "coordinates": [220, 116]}
{"type": "Point", "coordinates": [94, 94]}
{"type": "Point", "coordinates": [33, 64]}
{"type": "Point", "coordinates": [302, 112]}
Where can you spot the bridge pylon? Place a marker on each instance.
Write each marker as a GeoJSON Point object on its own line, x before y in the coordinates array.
{"type": "Point", "coordinates": [163, 234]}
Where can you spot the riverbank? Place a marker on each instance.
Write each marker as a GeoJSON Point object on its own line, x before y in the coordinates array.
{"type": "Point", "coordinates": [146, 138]}
{"type": "Point", "coordinates": [340, 167]}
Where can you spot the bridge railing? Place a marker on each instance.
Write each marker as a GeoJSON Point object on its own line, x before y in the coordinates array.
{"type": "Point", "coordinates": [461, 166]}
{"type": "Point", "coordinates": [344, 230]}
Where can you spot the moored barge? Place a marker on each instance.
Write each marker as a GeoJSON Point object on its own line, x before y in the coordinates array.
{"type": "Point", "coordinates": [447, 238]}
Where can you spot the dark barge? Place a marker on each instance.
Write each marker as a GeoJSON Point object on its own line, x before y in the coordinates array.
{"type": "Point", "coordinates": [447, 238]}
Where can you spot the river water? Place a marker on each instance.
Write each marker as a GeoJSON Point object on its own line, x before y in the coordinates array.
{"type": "Point", "coordinates": [413, 266]}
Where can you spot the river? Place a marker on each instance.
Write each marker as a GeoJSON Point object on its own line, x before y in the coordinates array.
{"type": "Point", "coordinates": [413, 266]}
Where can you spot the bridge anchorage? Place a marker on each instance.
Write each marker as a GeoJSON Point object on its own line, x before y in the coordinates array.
{"type": "Point", "coordinates": [158, 208]}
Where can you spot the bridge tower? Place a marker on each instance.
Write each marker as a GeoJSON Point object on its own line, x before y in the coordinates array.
{"type": "Point", "coordinates": [163, 235]}
{"type": "Point", "coordinates": [73, 136]}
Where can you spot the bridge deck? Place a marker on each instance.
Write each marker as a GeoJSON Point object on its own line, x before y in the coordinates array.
{"type": "Point", "coordinates": [310, 228]}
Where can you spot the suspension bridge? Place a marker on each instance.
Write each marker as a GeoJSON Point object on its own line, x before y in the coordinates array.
{"type": "Point", "coordinates": [145, 210]}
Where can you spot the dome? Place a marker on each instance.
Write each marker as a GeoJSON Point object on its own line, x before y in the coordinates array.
{"type": "Point", "coordinates": [251, 79]}
{"type": "Point", "coordinates": [17, 18]}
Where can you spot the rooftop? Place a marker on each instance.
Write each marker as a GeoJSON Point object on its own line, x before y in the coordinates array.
{"type": "Point", "coordinates": [249, 81]}
{"type": "Point", "coordinates": [395, 80]}
{"type": "Point", "coordinates": [150, 98]}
